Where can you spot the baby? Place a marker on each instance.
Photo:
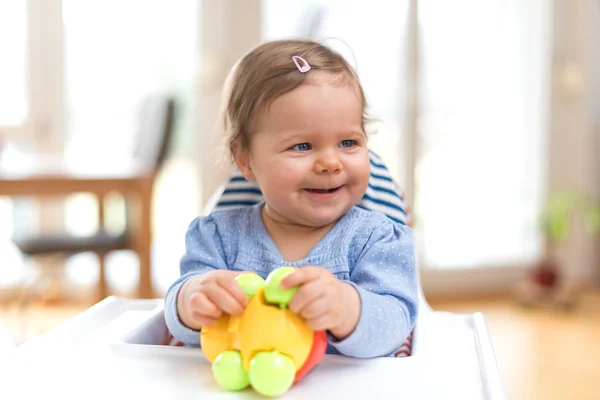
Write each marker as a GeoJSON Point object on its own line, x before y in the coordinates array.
{"type": "Point", "coordinates": [293, 119]}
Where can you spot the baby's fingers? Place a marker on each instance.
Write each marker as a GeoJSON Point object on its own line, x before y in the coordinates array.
{"type": "Point", "coordinates": [315, 308]}
{"type": "Point", "coordinates": [306, 294]}
{"type": "Point", "coordinates": [224, 300]}
{"type": "Point", "coordinates": [202, 305]}
{"type": "Point", "coordinates": [203, 320]}
{"type": "Point", "coordinates": [235, 290]}
{"type": "Point", "coordinates": [321, 323]}
{"type": "Point", "coordinates": [301, 276]}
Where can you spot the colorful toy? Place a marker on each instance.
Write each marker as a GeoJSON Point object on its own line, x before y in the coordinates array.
{"type": "Point", "coordinates": [268, 347]}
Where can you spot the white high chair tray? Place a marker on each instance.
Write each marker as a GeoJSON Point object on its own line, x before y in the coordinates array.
{"type": "Point", "coordinates": [113, 351]}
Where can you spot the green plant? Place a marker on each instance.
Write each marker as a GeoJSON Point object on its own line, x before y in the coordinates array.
{"type": "Point", "coordinates": [560, 210]}
{"type": "Point", "coordinates": [592, 218]}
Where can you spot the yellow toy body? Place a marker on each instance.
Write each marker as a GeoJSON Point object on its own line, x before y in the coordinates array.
{"type": "Point", "coordinates": [262, 327]}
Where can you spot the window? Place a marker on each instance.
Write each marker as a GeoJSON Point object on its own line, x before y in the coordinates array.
{"type": "Point", "coordinates": [481, 123]}
{"type": "Point", "coordinates": [13, 79]}
{"type": "Point", "coordinates": [116, 52]}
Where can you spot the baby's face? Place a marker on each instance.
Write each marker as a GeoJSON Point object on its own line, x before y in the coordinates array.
{"type": "Point", "coordinates": [309, 153]}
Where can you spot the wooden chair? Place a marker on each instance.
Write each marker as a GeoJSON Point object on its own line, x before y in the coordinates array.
{"type": "Point", "coordinates": [155, 128]}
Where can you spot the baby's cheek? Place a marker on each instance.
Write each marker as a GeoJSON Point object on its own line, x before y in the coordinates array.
{"type": "Point", "coordinates": [285, 178]}
{"type": "Point", "coordinates": [276, 194]}
{"type": "Point", "coordinates": [360, 178]}
{"type": "Point", "coordinates": [360, 167]}
{"type": "Point", "coordinates": [365, 175]}
{"type": "Point", "coordinates": [366, 167]}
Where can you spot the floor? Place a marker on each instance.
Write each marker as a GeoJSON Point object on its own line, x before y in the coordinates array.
{"type": "Point", "coordinates": [541, 353]}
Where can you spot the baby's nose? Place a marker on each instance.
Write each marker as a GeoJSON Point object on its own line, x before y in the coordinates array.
{"type": "Point", "coordinates": [328, 163]}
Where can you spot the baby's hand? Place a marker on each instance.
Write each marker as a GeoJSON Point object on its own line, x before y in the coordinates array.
{"type": "Point", "coordinates": [205, 297]}
{"type": "Point", "coordinates": [325, 302]}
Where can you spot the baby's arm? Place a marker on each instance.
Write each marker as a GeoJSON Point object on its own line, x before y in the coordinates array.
{"type": "Point", "coordinates": [385, 279]}
{"type": "Point", "coordinates": [204, 253]}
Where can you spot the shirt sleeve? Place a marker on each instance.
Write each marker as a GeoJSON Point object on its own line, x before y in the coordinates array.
{"type": "Point", "coordinates": [385, 278]}
{"type": "Point", "coordinates": [204, 253]}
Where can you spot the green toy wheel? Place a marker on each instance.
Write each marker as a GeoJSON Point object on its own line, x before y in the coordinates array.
{"type": "Point", "coordinates": [250, 283]}
{"type": "Point", "coordinates": [274, 294]}
{"type": "Point", "coordinates": [271, 373]}
{"type": "Point", "coordinates": [229, 372]}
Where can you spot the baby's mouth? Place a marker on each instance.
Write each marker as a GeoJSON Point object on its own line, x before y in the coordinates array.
{"type": "Point", "coordinates": [324, 191]}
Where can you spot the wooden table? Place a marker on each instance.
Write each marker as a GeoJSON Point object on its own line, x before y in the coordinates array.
{"type": "Point", "coordinates": [44, 176]}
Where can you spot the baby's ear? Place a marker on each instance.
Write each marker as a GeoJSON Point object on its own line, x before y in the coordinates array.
{"type": "Point", "coordinates": [241, 161]}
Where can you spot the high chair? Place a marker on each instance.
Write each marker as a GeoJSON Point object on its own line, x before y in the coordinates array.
{"type": "Point", "coordinates": [121, 348]}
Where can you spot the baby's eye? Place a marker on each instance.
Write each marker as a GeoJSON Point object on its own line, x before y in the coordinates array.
{"type": "Point", "coordinates": [301, 147]}
{"type": "Point", "coordinates": [347, 143]}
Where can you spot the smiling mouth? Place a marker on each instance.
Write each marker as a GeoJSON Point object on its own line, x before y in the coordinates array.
{"type": "Point", "coordinates": [323, 191]}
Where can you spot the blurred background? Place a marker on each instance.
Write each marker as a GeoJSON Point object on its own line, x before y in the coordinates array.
{"type": "Point", "coordinates": [488, 118]}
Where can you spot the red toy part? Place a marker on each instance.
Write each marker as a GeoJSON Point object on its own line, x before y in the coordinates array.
{"type": "Point", "coordinates": [315, 356]}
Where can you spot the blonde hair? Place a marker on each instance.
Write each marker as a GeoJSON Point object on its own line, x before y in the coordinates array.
{"type": "Point", "coordinates": [268, 72]}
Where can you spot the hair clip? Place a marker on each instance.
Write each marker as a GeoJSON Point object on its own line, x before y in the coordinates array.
{"type": "Point", "coordinates": [302, 68]}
